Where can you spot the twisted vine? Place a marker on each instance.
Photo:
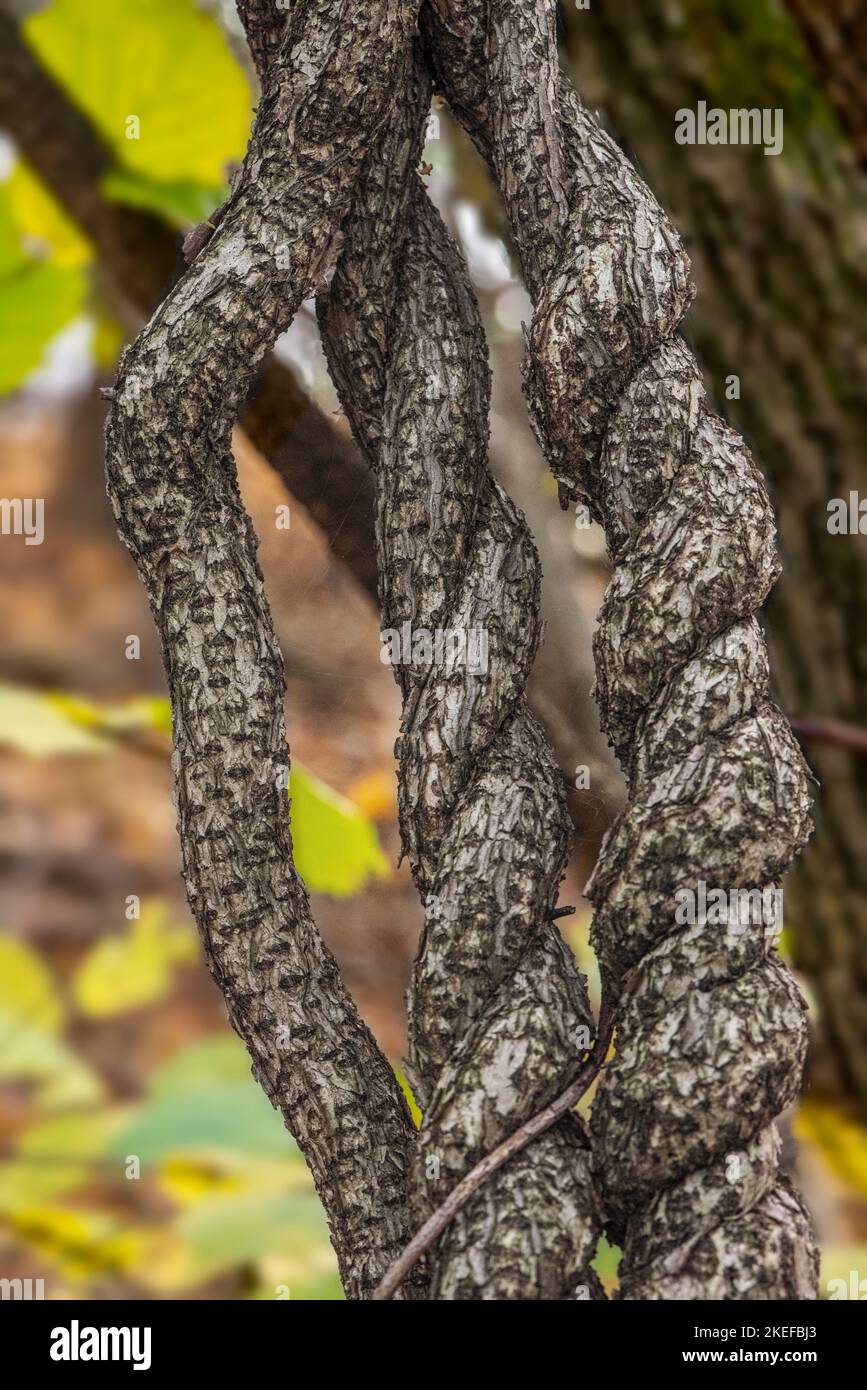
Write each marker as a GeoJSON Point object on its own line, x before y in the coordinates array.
{"type": "Point", "coordinates": [498, 1012]}
{"type": "Point", "coordinates": [712, 1038]}
{"type": "Point", "coordinates": [711, 1033]}
{"type": "Point", "coordinates": [173, 486]}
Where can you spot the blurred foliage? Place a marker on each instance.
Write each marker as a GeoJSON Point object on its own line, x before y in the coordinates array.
{"type": "Point", "coordinates": [197, 1180]}
{"type": "Point", "coordinates": [336, 846]}
{"type": "Point", "coordinates": [37, 299]}
{"type": "Point", "coordinates": [336, 849]}
{"type": "Point", "coordinates": [842, 1139]}
{"type": "Point", "coordinates": [160, 84]}
{"type": "Point", "coordinates": [234, 1196]}
{"type": "Point", "coordinates": [162, 63]}
{"type": "Point", "coordinates": [136, 968]}
{"type": "Point", "coordinates": [777, 71]}
{"type": "Point", "coordinates": [38, 219]}
{"type": "Point", "coordinates": [223, 1189]}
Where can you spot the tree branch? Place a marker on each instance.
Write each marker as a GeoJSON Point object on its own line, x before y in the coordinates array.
{"type": "Point", "coordinates": [317, 462]}
{"type": "Point", "coordinates": [172, 483]}
{"type": "Point", "coordinates": [497, 1008]}
{"type": "Point", "coordinates": [457, 1199]}
{"type": "Point", "coordinates": [718, 790]}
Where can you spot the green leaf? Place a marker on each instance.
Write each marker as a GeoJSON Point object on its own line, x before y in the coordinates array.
{"type": "Point", "coordinates": [30, 723]}
{"type": "Point", "coordinates": [606, 1263]}
{"type": "Point", "coordinates": [13, 256]}
{"type": "Point", "coordinates": [216, 1060]}
{"type": "Point", "coordinates": [336, 848]}
{"type": "Point", "coordinates": [163, 63]}
{"type": "Point", "coordinates": [30, 1054]}
{"type": "Point", "coordinates": [410, 1098]}
{"type": "Point", "coordinates": [284, 1234]}
{"type": "Point", "coordinates": [230, 1231]}
{"type": "Point", "coordinates": [235, 1116]}
{"type": "Point", "coordinates": [180, 202]}
{"type": "Point", "coordinates": [38, 296]}
{"type": "Point", "coordinates": [37, 299]}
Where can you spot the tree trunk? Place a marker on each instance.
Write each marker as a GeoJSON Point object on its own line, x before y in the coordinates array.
{"type": "Point", "coordinates": [777, 246]}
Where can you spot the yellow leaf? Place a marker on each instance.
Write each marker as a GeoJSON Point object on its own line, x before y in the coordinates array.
{"type": "Point", "coordinates": [135, 968]}
{"type": "Point", "coordinates": [842, 1140]}
{"type": "Point", "coordinates": [27, 988]}
{"type": "Point", "coordinates": [43, 222]}
{"type": "Point", "coordinates": [197, 1175]}
{"type": "Point", "coordinates": [157, 78]}
{"type": "Point", "coordinates": [85, 1246]}
{"type": "Point", "coordinates": [194, 1179]}
{"type": "Point", "coordinates": [30, 723]}
{"type": "Point", "coordinates": [55, 1157]}
{"type": "Point", "coordinates": [409, 1097]}
{"type": "Point", "coordinates": [36, 1057]}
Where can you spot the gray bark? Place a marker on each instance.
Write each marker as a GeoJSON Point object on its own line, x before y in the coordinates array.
{"type": "Point", "coordinates": [712, 1033]}
{"type": "Point", "coordinates": [172, 482]}
{"type": "Point", "coordinates": [712, 1038]}
{"type": "Point", "coordinates": [777, 249]}
{"type": "Point", "coordinates": [318, 462]}
{"type": "Point", "coordinates": [496, 1003]}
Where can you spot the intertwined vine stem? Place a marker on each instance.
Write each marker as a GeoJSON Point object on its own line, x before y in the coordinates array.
{"type": "Point", "coordinates": [498, 1011]}
{"type": "Point", "coordinates": [711, 1031]}
{"type": "Point", "coordinates": [711, 1041]}
{"type": "Point", "coordinates": [173, 485]}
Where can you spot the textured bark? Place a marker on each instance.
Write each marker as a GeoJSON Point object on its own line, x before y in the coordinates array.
{"type": "Point", "coordinates": [172, 483]}
{"type": "Point", "coordinates": [777, 246]}
{"type": "Point", "coordinates": [496, 1003]}
{"type": "Point", "coordinates": [713, 1034]}
{"type": "Point", "coordinates": [562, 676]}
{"type": "Point", "coordinates": [140, 254]}
{"type": "Point", "coordinates": [837, 34]}
{"type": "Point", "coordinates": [318, 463]}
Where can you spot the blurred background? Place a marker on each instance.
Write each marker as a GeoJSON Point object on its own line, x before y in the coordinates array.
{"type": "Point", "coordinates": [137, 1156]}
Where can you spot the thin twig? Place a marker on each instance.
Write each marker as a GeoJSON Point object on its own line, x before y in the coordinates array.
{"type": "Point", "coordinates": [460, 1195]}
{"type": "Point", "coordinates": [832, 731]}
